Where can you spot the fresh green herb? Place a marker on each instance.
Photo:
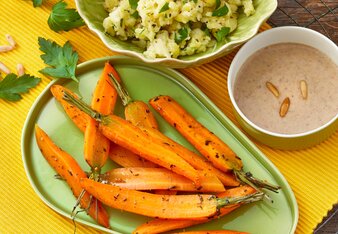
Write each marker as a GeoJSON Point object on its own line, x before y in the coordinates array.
{"type": "Point", "coordinates": [207, 32]}
{"type": "Point", "coordinates": [221, 11]}
{"type": "Point", "coordinates": [135, 15]}
{"type": "Point", "coordinates": [37, 3]}
{"type": "Point", "coordinates": [63, 19]}
{"type": "Point", "coordinates": [12, 86]}
{"type": "Point", "coordinates": [165, 7]}
{"type": "Point", "coordinates": [218, 4]}
{"type": "Point", "coordinates": [181, 35]}
{"type": "Point", "coordinates": [195, 1]}
{"type": "Point", "coordinates": [62, 60]}
{"type": "Point", "coordinates": [222, 33]}
{"type": "Point", "coordinates": [133, 4]}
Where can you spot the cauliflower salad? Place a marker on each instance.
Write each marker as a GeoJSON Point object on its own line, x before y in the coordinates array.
{"type": "Point", "coordinates": [169, 28]}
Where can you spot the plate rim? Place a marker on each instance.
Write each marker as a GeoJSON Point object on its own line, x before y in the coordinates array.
{"type": "Point", "coordinates": [200, 96]}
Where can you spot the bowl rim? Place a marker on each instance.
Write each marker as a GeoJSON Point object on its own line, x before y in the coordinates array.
{"type": "Point", "coordinates": [200, 59]}
{"type": "Point", "coordinates": [243, 49]}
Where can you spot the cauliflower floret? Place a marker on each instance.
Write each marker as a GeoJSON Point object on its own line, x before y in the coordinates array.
{"type": "Point", "coordinates": [119, 22]}
{"type": "Point", "coordinates": [190, 11]}
{"type": "Point", "coordinates": [248, 7]}
{"type": "Point", "coordinates": [109, 5]}
{"type": "Point", "coordinates": [156, 14]}
{"type": "Point", "coordinates": [198, 43]}
{"type": "Point", "coordinates": [162, 47]}
{"type": "Point", "coordinates": [209, 3]}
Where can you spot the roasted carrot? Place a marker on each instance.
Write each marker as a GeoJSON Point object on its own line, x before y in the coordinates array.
{"type": "Point", "coordinates": [134, 139]}
{"type": "Point", "coordinates": [139, 178]}
{"type": "Point", "coordinates": [138, 113]}
{"type": "Point", "coordinates": [126, 158]}
{"type": "Point", "coordinates": [97, 146]}
{"type": "Point", "coordinates": [165, 225]}
{"type": "Point", "coordinates": [207, 143]}
{"type": "Point", "coordinates": [79, 118]}
{"type": "Point", "coordinates": [66, 166]}
{"type": "Point", "coordinates": [162, 206]}
{"type": "Point", "coordinates": [212, 232]}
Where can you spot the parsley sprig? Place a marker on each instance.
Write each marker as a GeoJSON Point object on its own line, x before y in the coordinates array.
{"type": "Point", "coordinates": [64, 19]}
{"type": "Point", "coordinates": [12, 86]}
{"type": "Point", "coordinates": [62, 60]}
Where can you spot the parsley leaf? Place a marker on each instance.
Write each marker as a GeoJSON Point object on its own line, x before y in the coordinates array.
{"type": "Point", "coordinates": [11, 86]}
{"type": "Point", "coordinates": [133, 4]}
{"type": "Point", "coordinates": [218, 3]}
{"type": "Point", "coordinates": [181, 35]}
{"type": "Point", "coordinates": [63, 19]}
{"type": "Point", "coordinates": [62, 60]}
{"type": "Point", "coordinates": [37, 3]}
{"type": "Point", "coordinates": [221, 34]}
{"type": "Point", "coordinates": [165, 7]}
{"type": "Point", "coordinates": [221, 11]}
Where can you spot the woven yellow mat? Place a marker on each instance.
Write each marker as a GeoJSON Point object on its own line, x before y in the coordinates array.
{"type": "Point", "coordinates": [312, 173]}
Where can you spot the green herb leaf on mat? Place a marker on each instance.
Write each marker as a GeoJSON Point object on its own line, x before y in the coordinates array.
{"type": "Point", "coordinates": [221, 11]}
{"type": "Point", "coordinates": [63, 19]}
{"type": "Point", "coordinates": [12, 86]}
{"type": "Point", "coordinates": [37, 3]}
{"type": "Point", "coordinates": [165, 7]}
{"type": "Point", "coordinates": [63, 60]}
{"type": "Point", "coordinates": [222, 33]}
{"type": "Point", "coordinates": [133, 4]}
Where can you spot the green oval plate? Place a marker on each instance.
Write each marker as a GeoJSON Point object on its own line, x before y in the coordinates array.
{"type": "Point", "coordinates": [144, 82]}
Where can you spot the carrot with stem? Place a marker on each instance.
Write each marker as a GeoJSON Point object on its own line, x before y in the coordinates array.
{"type": "Point", "coordinates": [206, 142]}
{"type": "Point", "coordinates": [162, 206]}
{"type": "Point", "coordinates": [132, 113]}
{"type": "Point", "coordinates": [165, 225]}
{"type": "Point", "coordinates": [68, 169]}
{"type": "Point", "coordinates": [134, 139]}
{"type": "Point", "coordinates": [97, 146]}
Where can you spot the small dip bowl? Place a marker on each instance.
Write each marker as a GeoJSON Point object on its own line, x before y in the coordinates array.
{"type": "Point", "coordinates": [288, 34]}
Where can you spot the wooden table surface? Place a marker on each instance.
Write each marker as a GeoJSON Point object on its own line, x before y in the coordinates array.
{"type": "Point", "coordinates": [322, 16]}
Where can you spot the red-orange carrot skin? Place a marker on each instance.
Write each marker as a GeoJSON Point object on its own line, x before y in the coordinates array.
{"type": "Point", "coordinates": [212, 232]}
{"type": "Point", "coordinates": [126, 158]}
{"type": "Point", "coordinates": [97, 146]}
{"type": "Point", "coordinates": [152, 205]}
{"type": "Point", "coordinates": [165, 225]}
{"type": "Point", "coordinates": [67, 167]}
{"type": "Point", "coordinates": [139, 114]}
{"type": "Point", "coordinates": [140, 178]}
{"type": "Point", "coordinates": [227, 178]}
{"type": "Point", "coordinates": [134, 139]}
{"type": "Point", "coordinates": [79, 118]}
{"type": "Point", "coordinates": [208, 144]}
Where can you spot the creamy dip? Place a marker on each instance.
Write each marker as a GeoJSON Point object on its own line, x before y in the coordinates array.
{"type": "Point", "coordinates": [285, 65]}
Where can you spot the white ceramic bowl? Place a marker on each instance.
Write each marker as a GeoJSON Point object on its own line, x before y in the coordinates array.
{"type": "Point", "coordinates": [273, 36]}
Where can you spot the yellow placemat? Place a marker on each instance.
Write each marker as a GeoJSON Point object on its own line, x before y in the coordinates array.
{"type": "Point", "coordinates": [312, 173]}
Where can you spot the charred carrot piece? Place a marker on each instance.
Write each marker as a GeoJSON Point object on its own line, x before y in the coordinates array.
{"type": "Point", "coordinates": [207, 143]}
{"type": "Point", "coordinates": [212, 232]}
{"type": "Point", "coordinates": [162, 206]}
{"type": "Point", "coordinates": [138, 113]}
{"type": "Point", "coordinates": [97, 146]}
{"type": "Point", "coordinates": [134, 139]}
{"type": "Point", "coordinates": [66, 166]}
{"type": "Point", "coordinates": [166, 225]}
{"type": "Point", "coordinates": [139, 178]}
